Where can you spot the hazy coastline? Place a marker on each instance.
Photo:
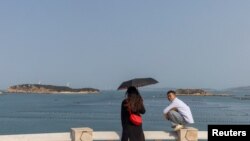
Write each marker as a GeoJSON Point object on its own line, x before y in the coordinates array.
{"type": "Point", "coordinates": [49, 89]}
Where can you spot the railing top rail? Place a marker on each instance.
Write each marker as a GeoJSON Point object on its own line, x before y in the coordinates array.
{"type": "Point", "coordinates": [97, 135]}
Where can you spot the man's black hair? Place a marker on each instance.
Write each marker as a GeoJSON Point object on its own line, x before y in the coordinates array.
{"type": "Point", "coordinates": [171, 91]}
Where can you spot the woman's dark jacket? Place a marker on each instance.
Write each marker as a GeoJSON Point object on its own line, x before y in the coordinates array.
{"type": "Point", "coordinates": [129, 130]}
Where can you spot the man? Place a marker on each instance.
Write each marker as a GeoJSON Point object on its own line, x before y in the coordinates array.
{"type": "Point", "coordinates": [177, 112]}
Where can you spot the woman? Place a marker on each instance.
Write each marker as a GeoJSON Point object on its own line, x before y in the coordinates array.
{"type": "Point", "coordinates": [132, 103]}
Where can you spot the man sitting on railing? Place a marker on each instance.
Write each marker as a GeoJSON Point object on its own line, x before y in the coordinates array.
{"type": "Point", "coordinates": [177, 112]}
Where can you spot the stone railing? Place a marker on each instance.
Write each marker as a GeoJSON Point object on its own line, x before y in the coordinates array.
{"type": "Point", "coordinates": [87, 134]}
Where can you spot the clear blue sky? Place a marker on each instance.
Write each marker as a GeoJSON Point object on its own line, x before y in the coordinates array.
{"type": "Point", "coordinates": [102, 43]}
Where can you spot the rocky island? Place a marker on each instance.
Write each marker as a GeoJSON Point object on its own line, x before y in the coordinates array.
{"type": "Point", "coordinates": [38, 88]}
{"type": "Point", "coordinates": [191, 91]}
{"type": "Point", "coordinates": [196, 92]}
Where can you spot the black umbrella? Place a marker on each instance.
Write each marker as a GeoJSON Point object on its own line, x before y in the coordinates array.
{"type": "Point", "coordinates": [137, 82]}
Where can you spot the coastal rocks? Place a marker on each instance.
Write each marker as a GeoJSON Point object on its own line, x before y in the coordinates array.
{"type": "Point", "coordinates": [191, 91]}
{"type": "Point", "coordinates": [198, 92]}
{"type": "Point", "coordinates": [38, 88]}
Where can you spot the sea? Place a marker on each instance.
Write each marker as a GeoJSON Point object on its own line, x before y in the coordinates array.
{"type": "Point", "coordinates": [50, 113]}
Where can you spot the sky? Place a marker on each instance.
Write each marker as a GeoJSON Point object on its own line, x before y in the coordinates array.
{"type": "Point", "coordinates": [101, 43]}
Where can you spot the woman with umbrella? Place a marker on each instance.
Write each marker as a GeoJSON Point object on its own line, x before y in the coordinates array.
{"type": "Point", "coordinates": [133, 103]}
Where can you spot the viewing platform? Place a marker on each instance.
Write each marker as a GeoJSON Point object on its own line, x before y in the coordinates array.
{"type": "Point", "coordinates": [87, 134]}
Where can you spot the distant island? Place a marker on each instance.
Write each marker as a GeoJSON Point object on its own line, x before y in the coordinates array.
{"type": "Point", "coordinates": [191, 91]}
{"type": "Point", "coordinates": [196, 92]}
{"type": "Point", "coordinates": [38, 88]}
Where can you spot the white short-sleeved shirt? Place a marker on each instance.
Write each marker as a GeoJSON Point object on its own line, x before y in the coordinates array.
{"type": "Point", "coordinates": [182, 108]}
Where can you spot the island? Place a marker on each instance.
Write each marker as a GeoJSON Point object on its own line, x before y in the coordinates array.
{"type": "Point", "coordinates": [48, 89]}
{"type": "Point", "coordinates": [197, 92]}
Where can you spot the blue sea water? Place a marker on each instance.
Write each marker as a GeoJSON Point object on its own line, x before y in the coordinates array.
{"type": "Point", "coordinates": [45, 113]}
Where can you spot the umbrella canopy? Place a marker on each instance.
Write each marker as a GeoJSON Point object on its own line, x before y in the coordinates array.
{"type": "Point", "coordinates": [137, 82]}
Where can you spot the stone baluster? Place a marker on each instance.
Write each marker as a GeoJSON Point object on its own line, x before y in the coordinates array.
{"type": "Point", "coordinates": [188, 134]}
{"type": "Point", "coordinates": [82, 134]}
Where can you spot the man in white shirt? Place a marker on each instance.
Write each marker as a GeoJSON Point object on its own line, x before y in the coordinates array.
{"type": "Point", "coordinates": [177, 112]}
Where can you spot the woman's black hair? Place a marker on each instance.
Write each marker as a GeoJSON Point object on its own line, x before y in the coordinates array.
{"type": "Point", "coordinates": [132, 90]}
{"type": "Point", "coordinates": [135, 101]}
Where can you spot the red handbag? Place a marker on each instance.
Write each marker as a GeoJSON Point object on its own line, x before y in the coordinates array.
{"type": "Point", "coordinates": [135, 119]}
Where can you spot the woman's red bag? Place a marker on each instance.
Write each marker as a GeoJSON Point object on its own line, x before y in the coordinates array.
{"type": "Point", "coordinates": [135, 119]}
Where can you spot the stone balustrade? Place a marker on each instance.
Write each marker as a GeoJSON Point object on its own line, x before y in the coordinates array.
{"type": "Point", "coordinates": [87, 134]}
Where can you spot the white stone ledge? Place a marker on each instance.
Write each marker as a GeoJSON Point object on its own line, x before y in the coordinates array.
{"type": "Point", "coordinates": [97, 135]}
{"type": "Point", "coordinates": [37, 137]}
